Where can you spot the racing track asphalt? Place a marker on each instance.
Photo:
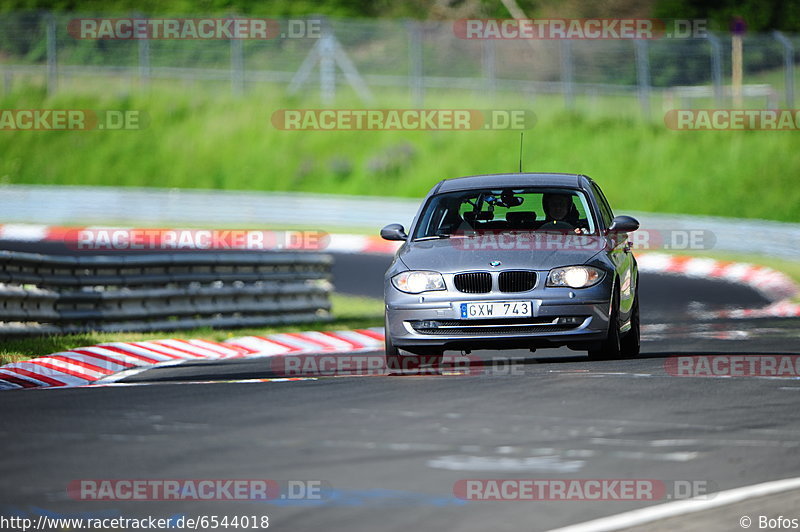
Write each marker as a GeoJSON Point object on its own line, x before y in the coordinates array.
{"type": "Point", "coordinates": [392, 448]}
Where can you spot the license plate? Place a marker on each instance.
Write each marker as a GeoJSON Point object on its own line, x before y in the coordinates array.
{"type": "Point", "coordinates": [496, 309]}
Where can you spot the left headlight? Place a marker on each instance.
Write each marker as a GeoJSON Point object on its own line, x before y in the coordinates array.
{"type": "Point", "coordinates": [575, 276]}
{"type": "Point", "coordinates": [415, 282]}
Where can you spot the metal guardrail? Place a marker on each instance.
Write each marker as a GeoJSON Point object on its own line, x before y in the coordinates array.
{"type": "Point", "coordinates": [70, 294]}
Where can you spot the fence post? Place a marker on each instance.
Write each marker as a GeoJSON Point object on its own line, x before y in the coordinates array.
{"type": "Point", "coordinates": [144, 57]}
{"type": "Point", "coordinates": [643, 75]}
{"type": "Point", "coordinates": [788, 62]}
{"type": "Point", "coordinates": [488, 60]}
{"type": "Point", "coordinates": [52, 63]}
{"type": "Point", "coordinates": [237, 66]}
{"type": "Point", "coordinates": [567, 83]}
{"type": "Point", "coordinates": [716, 67]}
{"type": "Point", "coordinates": [415, 63]}
{"type": "Point", "coordinates": [327, 66]}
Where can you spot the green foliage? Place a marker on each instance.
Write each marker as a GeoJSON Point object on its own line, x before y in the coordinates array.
{"type": "Point", "coordinates": [760, 15]}
{"type": "Point", "coordinates": [211, 140]}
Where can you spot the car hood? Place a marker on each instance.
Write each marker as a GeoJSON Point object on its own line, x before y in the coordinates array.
{"type": "Point", "coordinates": [464, 254]}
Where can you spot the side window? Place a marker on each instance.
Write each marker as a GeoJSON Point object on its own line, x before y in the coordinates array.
{"type": "Point", "coordinates": [579, 207]}
{"type": "Point", "coordinates": [602, 202]}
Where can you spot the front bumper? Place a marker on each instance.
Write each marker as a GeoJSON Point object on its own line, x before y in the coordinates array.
{"type": "Point", "coordinates": [578, 318]}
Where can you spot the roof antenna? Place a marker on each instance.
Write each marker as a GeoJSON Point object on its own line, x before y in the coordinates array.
{"type": "Point", "coordinates": [520, 152]}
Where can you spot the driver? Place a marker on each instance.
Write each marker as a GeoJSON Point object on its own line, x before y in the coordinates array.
{"type": "Point", "coordinates": [558, 208]}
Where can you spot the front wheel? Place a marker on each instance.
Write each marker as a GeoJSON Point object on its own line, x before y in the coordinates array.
{"type": "Point", "coordinates": [400, 362]}
{"type": "Point", "coordinates": [393, 361]}
{"type": "Point", "coordinates": [611, 347]}
{"type": "Point", "coordinates": [631, 341]}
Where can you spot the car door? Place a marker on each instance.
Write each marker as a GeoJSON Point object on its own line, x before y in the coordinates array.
{"type": "Point", "coordinates": [620, 255]}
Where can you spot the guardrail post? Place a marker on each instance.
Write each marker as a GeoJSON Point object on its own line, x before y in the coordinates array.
{"type": "Point", "coordinates": [716, 67]}
{"type": "Point", "coordinates": [643, 75]}
{"type": "Point", "coordinates": [52, 62]}
{"type": "Point", "coordinates": [415, 73]}
{"type": "Point", "coordinates": [488, 63]}
{"type": "Point", "coordinates": [788, 64]}
{"type": "Point", "coordinates": [567, 74]}
{"type": "Point", "coordinates": [327, 65]}
{"type": "Point", "coordinates": [237, 65]}
{"type": "Point", "coordinates": [144, 57]}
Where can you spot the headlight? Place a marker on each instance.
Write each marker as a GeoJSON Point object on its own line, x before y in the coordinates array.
{"type": "Point", "coordinates": [574, 276]}
{"type": "Point", "coordinates": [415, 282]}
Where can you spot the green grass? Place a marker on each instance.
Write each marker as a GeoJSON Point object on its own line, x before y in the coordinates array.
{"type": "Point", "coordinates": [351, 312]}
{"type": "Point", "coordinates": [204, 138]}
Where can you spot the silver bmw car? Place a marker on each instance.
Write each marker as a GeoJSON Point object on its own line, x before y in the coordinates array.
{"type": "Point", "coordinates": [511, 261]}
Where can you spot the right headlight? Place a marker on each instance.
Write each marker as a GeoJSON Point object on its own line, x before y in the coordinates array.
{"type": "Point", "coordinates": [575, 276]}
{"type": "Point", "coordinates": [415, 282]}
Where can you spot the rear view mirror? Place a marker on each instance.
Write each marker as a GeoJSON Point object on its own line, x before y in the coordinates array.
{"type": "Point", "coordinates": [394, 232]}
{"type": "Point", "coordinates": [623, 224]}
{"type": "Point", "coordinates": [478, 216]}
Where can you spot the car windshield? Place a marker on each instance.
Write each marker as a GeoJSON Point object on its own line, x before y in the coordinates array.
{"type": "Point", "coordinates": [470, 212]}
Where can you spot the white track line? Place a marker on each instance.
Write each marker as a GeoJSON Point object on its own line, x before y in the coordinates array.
{"type": "Point", "coordinates": [677, 508]}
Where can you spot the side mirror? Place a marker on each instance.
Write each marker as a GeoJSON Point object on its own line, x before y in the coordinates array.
{"type": "Point", "coordinates": [623, 224]}
{"type": "Point", "coordinates": [394, 232]}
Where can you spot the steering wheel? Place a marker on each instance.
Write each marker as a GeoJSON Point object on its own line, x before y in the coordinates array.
{"type": "Point", "coordinates": [558, 225]}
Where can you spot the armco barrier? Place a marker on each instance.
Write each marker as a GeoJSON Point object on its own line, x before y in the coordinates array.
{"type": "Point", "coordinates": [147, 292]}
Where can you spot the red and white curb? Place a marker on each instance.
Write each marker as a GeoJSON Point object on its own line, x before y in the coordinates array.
{"type": "Point", "coordinates": [109, 362]}
{"type": "Point", "coordinates": [773, 284]}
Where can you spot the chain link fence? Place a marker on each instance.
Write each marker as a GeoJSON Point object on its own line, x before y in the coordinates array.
{"type": "Point", "coordinates": [411, 56]}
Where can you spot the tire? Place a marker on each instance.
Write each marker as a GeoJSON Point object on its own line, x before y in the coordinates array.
{"type": "Point", "coordinates": [611, 347]}
{"type": "Point", "coordinates": [631, 342]}
{"type": "Point", "coordinates": [393, 361]}
{"type": "Point", "coordinates": [399, 362]}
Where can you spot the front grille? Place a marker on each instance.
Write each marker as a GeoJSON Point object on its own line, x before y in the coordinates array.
{"type": "Point", "coordinates": [473, 283]}
{"type": "Point", "coordinates": [517, 281]}
{"type": "Point", "coordinates": [492, 321]}
{"type": "Point", "coordinates": [467, 328]}
{"type": "Point", "coordinates": [466, 331]}
{"type": "Point", "coordinates": [498, 327]}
